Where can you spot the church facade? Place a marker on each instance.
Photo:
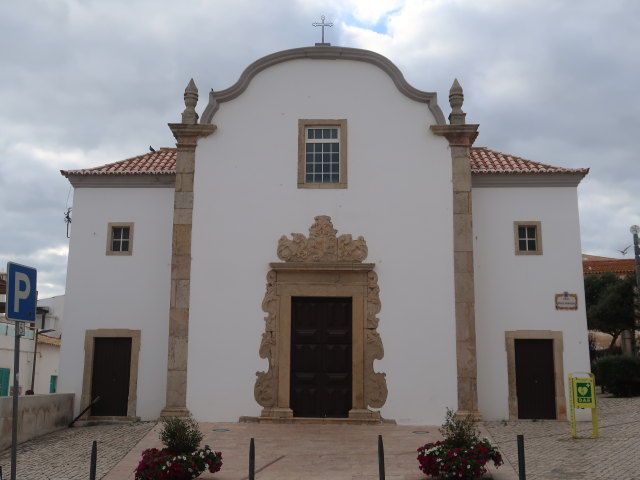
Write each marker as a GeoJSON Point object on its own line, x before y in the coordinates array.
{"type": "Point", "coordinates": [323, 243]}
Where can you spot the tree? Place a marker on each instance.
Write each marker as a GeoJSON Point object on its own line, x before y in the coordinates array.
{"type": "Point", "coordinates": [610, 304]}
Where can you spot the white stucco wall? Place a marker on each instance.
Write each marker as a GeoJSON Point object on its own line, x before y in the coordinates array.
{"type": "Point", "coordinates": [53, 318]}
{"type": "Point", "coordinates": [517, 292]}
{"type": "Point", "coordinates": [120, 292]}
{"type": "Point", "coordinates": [398, 198]}
{"type": "Point", "coordinates": [46, 363]}
{"type": "Point", "coordinates": [7, 349]}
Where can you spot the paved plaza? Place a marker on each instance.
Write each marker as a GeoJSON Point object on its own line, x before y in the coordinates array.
{"type": "Point", "coordinates": [66, 454]}
{"type": "Point", "coordinates": [551, 453]}
{"type": "Point", "coordinates": [345, 452]}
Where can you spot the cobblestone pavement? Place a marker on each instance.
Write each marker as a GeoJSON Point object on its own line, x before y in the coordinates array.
{"type": "Point", "coordinates": [66, 454]}
{"type": "Point", "coordinates": [307, 451]}
{"type": "Point", "coordinates": [551, 453]}
{"type": "Point", "coordinates": [346, 452]}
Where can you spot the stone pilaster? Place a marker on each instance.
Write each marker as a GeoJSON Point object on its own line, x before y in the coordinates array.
{"type": "Point", "coordinates": [461, 137]}
{"type": "Point", "coordinates": [187, 134]}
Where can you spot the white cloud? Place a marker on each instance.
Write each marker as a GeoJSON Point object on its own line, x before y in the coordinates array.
{"type": "Point", "coordinates": [88, 82]}
{"type": "Point", "coordinates": [607, 212]}
{"type": "Point", "coordinates": [68, 159]}
{"type": "Point", "coordinates": [372, 11]}
{"type": "Point", "coordinates": [57, 158]}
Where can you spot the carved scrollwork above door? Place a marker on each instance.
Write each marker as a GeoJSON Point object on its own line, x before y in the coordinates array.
{"type": "Point", "coordinates": [322, 245]}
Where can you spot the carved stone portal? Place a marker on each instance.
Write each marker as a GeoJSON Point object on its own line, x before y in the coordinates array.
{"type": "Point", "coordinates": [321, 265]}
{"type": "Point", "coordinates": [322, 245]}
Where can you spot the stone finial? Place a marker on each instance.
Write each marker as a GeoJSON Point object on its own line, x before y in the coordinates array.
{"type": "Point", "coordinates": [456, 98]}
{"type": "Point", "coordinates": [190, 115]}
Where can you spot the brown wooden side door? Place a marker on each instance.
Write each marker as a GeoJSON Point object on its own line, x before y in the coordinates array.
{"type": "Point", "coordinates": [110, 379]}
{"type": "Point", "coordinates": [321, 361]}
{"type": "Point", "coordinates": [535, 379]}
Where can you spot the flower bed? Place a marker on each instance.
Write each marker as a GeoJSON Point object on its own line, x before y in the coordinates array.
{"type": "Point", "coordinates": [181, 459]}
{"type": "Point", "coordinates": [439, 459]}
{"type": "Point", "coordinates": [165, 465]}
{"type": "Point", "coordinates": [461, 455]}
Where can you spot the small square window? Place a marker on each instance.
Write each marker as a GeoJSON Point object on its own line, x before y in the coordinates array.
{"type": "Point", "coordinates": [322, 154]}
{"type": "Point", "coordinates": [120, 239]}
{"type": "Point", "coordinates": [528, 238]}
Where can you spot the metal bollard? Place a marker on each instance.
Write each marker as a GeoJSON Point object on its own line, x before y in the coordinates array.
{"type": "Point", "coordinates": [380, 457]}
{"type": "Point", "coordinates": [522, 475]}
{"type": "Point", "coordinates": [252, 460]}
{"type": "Point", "coordinates": [94, 461]}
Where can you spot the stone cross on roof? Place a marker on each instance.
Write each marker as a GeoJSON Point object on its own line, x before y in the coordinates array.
{"type": "Point", "coordinates": [322, 24]}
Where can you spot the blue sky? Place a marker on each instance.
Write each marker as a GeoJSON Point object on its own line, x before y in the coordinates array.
{"type": "Point", "coordinates": [88, 82]}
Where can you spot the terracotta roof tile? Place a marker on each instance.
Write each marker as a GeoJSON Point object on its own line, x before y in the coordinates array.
{"type": "Point", "coordinates": [160, 162]}
{"type": "Point", "coordinates": [593, 265]}
{"type": "Point", "coordinates": [483, 161]}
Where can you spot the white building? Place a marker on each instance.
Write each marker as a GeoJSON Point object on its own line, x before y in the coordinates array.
{"type": "Point", "coordinates": [46, 354]}
{"type": "Point", "coordinates": [434, 274]}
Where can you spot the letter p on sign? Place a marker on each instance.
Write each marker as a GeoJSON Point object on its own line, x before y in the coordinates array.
{"type": "Point", "coordinates": [21, 293]}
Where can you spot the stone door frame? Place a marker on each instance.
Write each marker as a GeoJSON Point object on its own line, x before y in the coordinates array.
{"type": "Point", "coordinates": [87, 376]}
{"type": "Point", "coordinates": [558, 366]}
{"type": "Point", "coordinates": [330, 272]}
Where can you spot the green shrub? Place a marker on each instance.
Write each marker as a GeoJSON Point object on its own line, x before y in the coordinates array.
{"type": "Point", "coordinates": [180, 435]}
{"type": "Point", "coordinates": [459, 432]}
{"type": "Point", "coordinates": [619, 375]}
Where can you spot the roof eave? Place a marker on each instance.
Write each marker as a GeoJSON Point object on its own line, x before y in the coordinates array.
{"type": "Point", "coordinates": [141, 180]}
{"type": "Point", "coordinates": [510, 180]}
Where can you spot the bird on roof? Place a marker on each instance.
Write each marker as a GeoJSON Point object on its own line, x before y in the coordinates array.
{"type": "Point", "coordinates": [151, 149]}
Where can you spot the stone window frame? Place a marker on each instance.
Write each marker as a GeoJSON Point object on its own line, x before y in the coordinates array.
{"type": "Point", "coordinates": [89, 349]}
{"type": "Point", "coordinates": [538, 238]}
{"type": "Point", "coordinates": [558, 367]}
{"type": "Point", "coordinates": [303, 124]}
{"type": "Point", "coordinates": [110, 229]}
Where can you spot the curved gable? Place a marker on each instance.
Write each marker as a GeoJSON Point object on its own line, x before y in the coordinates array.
{"type": "Point", "coordinates": [322, 53]}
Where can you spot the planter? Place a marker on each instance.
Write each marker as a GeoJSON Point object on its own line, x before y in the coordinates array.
{"type": "Point", "coordinates": [444, 461]}
{"type": "Point", "coordinates": [165, 465]}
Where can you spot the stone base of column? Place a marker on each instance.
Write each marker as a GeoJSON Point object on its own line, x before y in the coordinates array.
{"type": "Point", "coordinates": [175, 412]}
{"type": "Point", "coordinates": [277, 412]}
{"type": "Point", "coordinates": [477, 416]}
{"type": "Point", "coordinates": [364, 414]}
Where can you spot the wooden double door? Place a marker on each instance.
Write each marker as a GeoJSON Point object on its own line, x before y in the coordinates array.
{"type": "Point", "coordinates": [321, 356]}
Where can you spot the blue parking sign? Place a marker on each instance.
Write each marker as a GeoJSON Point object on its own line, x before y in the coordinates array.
{"type": "Point", "coordinates": [21, 293]}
